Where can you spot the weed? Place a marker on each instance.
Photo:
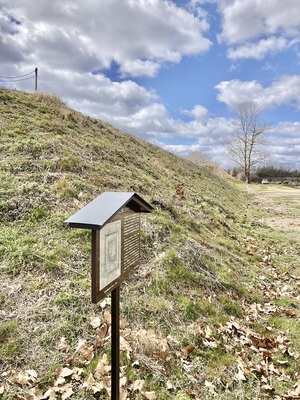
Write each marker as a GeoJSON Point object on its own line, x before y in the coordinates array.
{"type": "Point", "coordinates": [66, 300]}
{"type": "Point", "coordinates": [10, 344]}
{"type": "Point", "coordinates": [6, 330]}
{"type": "Point", "coordinates": [230, 307]}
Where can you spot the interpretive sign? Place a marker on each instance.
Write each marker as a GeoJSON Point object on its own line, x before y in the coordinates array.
{"type": "Point", "coordinates": [114, 218]}
{"type": "Point", "coordinates": [115, 252]}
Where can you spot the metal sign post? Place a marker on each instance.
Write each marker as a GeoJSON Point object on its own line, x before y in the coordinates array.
{"type": "Point", "coordinates": [115, 343]}
{"type": "Point", "coordinates": [114, 218]}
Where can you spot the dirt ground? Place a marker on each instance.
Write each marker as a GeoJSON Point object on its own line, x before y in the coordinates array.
{"type": "Point", "coordinates": [279, 207]}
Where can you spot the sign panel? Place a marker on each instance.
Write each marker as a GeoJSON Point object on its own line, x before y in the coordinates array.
{"type": "Point", "coordinates": [115, 252]}
{"type": "Point", "coordinates": [110, 254]}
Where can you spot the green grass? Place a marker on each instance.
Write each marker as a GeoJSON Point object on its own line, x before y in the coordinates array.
{"type": "Point", "coordinates": [11, 345]}
{"type": "Point", "coordinates": [202, 255]}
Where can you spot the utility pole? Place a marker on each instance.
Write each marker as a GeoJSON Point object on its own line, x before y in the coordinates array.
{"type": "Point", "coordinates": [36, 76]}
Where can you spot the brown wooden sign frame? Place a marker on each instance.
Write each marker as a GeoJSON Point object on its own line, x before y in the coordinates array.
{"type": "Point", "coordinates": [129, 253]}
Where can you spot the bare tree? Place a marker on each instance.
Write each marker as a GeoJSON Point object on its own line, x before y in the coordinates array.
{"type": "Point", "coordinates": [245, 146]}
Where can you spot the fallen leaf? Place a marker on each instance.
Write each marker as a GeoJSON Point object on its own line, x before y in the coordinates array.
{"type": "Point", "coordinates": [77, 374]}
{"type": "Point", "coordinates": [282, 362]}
{"type": "Point", "coordinates": [107, 316]}
{"type": "Point", "coordinates": [64, 372]}
{"type": "Point", "coordinates": [123, 323]}
{"type": "Point", "coordinates": [268, 388]}
{"type": "Point", "coordinates": [138, 385]}
{"type": "Point", "coordinates": [240, 374]}
{"type": "Point", "coordinates": [103, 367]}
{"type": "Point", "coordinates": [63, 345]}
{"type": "Point", "coordinates": [149, 395]}
{"type": "Point", "coordinates": [124, 344]}
{"type": "Point", "coordinates": [211, 344]}
{"type": "Point", "coordinates": [187, 350]}
{"type": "Point", "coordinates": [163, 355]}
{"type": "Point", "coordinates": [95, 322]}
{"type": "Point", "coordinates": [25, 378]}
{"type": "Point", "coordinates": [210, 386]}
{"type": "Point", "coordinates": [208, 332]}
{"type": "Point", "coordinates": [34, 394]}
{"type": "Point", "coordinates": [68, 393]}
{"type": "Point", "coordinates": [81, 343]}
{"type": "Point", "coordinates": [49, 394]}
{"type": "Point", "coordinates": [59, 381]}
{"type": "Point", "coordinates": [287, 312]}
{"type": "Point", "coordinates": [102, 331]}
{"type": "Point", "coordinates": [86, 355]}
{"type": "Point", "coordinates": [104, 303]}
{"type": "Point", "coordinates": [90, 381]}
{"type": "Point", "coordinates": [170, 386]}
{"type": "Point", "coordinates": [296, 391]}
{"type": "Point", "coordinates": [123, 381]}
{"type": "Point", "coordinates": [123, 394]}
{"type": "Point", "coordinates": [32, 373]}
{"type": "Point", "coordinates": [266, 353]}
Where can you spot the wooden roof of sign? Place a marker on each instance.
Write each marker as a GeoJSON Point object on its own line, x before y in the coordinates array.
{"type": "Point", "coordinates": [104, 207]}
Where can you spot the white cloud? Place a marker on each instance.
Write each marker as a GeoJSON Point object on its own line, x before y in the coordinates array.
{"type": "Point", "coordinates": [288, 130]}
{"type": "Point", "coordinates": [135, 68]}
{"type": "Point", "coordinates": [284, 91]}
{"type": "Point", "coordinates": [258, 50]}
{"type": "Point", "coordinates": [246, 20]}
{"type": "Point", "coordinates": [205, 135]}
{"type": "Point", "coordinates": [198, 112]}
{"type": "Point", "coordinates": [139, 36]}
{"type": "Point", "coordinates": [101, 96]}
{"type": "Point", "coordinates": [254, 29]}
{"type": "Point", "coordinates": [285, 144]}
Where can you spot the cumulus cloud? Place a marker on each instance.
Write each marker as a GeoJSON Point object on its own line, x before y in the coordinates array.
{"type": "Point", "coordinates": [257, 28]}
{"type": "Point", "coordinates": [198, 112]}
{"type": "Point", "coordinates": [245, 20]}
{"type": "Point", "coordinates": [205, 134]}
{"type": "Point", "coordinates": [259, 50]}
{"type": "Point", "coordinates": [288, 130]}
{"type": "Point", "coordinates": [284, 91]}
{"type": "Point", "coordinates": [285, 144]}
{"type": "Point", "coordinates": [139, 36]}
{"type": "Point", "coordinates": [135, 68]}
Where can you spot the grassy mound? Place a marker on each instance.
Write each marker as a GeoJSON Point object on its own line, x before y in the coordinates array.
{"type": "Point", "coordinates": [200, 273]}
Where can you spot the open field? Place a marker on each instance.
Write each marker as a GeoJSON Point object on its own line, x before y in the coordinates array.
{"type": "Point", "coordinates": [279, 208]}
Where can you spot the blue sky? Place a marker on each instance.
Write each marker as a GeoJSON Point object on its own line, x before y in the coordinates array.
{"type": "Point", "coordinates": [169, 72]}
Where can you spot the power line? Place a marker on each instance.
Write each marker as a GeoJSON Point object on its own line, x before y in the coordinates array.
{"type": "Point", "coordinates": [12, 79]}
{"type": "Point", "coordinates": [16, 77]}
{"type": "Point", "coordinates": [17, 80]}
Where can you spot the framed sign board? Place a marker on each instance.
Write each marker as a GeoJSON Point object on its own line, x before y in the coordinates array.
{"type": "Point", "coordinates": [110, 254]}
{"type": "Point", "coordinates": [115, 252]}
{"type": "Point", "coordinates": [114, 218]}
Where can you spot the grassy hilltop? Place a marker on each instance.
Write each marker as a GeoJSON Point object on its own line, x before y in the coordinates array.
{"type": "Point", "coordinates": [196, 315]}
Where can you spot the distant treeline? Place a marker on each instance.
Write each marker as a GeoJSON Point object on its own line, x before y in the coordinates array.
{"type": "Point", "coordinates": [276, 172]}
{"type": "Point", "coordinates": [279, 174]}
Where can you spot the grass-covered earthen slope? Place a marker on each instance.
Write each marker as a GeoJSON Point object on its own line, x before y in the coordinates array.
{"type": "Point", "coordinates": [185, 315]}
